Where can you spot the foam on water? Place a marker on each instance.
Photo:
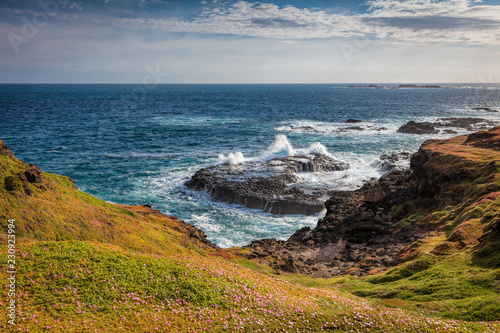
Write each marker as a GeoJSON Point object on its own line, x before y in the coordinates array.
{"type": "Point", "coordinates": [338, 128]}
{"type": "Point", "coordinates": [145, 155]}
{"type": "Point", "coordinates": [232, 159]}
{"type": "Point", "coordinates": [225, 224]}
{"type": "Point", "coordinates": [281, 147]}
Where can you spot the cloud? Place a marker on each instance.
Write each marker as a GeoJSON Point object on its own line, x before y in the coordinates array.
{"type": "Point", "coordinates": [389, 41]}
{"type": "Point", "coordinates": [403, 20]}
{"type": "Point", "coordinates": [434, 22]}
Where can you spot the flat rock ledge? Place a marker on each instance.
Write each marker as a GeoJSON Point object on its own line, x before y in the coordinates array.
{"type": "Point", "coordinates": [272, 186]}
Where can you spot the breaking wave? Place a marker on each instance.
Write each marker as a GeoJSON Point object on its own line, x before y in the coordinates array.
{"type": "Point", "coordinates": [281, 147]}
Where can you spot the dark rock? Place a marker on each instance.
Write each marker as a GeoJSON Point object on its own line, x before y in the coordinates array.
{"type": "Point", "coordinates": [198, 234]}
{"type": "Point", "coordinates": [469, 124]}
{"type": "Point", "coordinates": [269, 186]}
{"type": "Point", "coordinates": [13, 184]}
{"type": "Point", "coordinates": [418, 128]}
{"type": "Point", "coordinates": [485, 109]}
{"type": "Point", "coordinates": [299, 234]}
{"type": "Point", "coordinates": [356, 226]}
{"type": "Point", "coordinates": [483, 139]}
{"type": "Point", "coordinates": [33, 174]}
{"type": "Point", "coordinates": [24, 181]}
{"type": "Point", "coordinates": [361, 232]}
{"type": "Point", "coordinates": [351, 128]}
{"type": "Point", "coordinates": [368, 86]}
{"type": "Point", "coordinates": [396, 161]}
{"type": "Point", "coordinates": [303, 128]}
{"type": "Point", "coordinates": [414, 86]}
{"type": "Point", "coordinates": [378, 129]}
{"type": "Point", "coordinates": [353, 121]}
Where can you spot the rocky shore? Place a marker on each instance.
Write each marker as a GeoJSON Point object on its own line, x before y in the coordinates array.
{"type": "Point", "coordinates": [356, 231]}
{"type": "Point", "coordinates": [371, 229]}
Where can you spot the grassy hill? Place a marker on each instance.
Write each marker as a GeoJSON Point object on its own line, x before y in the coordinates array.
{"type": "Point", "coordinates": [85, 265]}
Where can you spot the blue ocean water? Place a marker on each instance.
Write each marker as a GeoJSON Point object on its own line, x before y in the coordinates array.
{"type": "Point", "coordinates": [134, 144]}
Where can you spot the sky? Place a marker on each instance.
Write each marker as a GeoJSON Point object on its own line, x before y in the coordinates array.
{"type": "Point", "coordinates": [276, 41]}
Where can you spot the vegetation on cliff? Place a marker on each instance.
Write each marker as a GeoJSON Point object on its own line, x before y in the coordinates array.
{"type": "Point", "coordinates": [455, 270]}
{"type": "Point", "coordinates": [85, 265]}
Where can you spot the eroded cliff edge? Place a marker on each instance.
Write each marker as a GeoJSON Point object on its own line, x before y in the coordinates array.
{"type": "Point", "coordinates": [447, 202]}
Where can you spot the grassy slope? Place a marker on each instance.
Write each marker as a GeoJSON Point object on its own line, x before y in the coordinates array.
{"type": "Point", "coordinates": [57, 211]}
{"type": "Point", "coordinates": [455, 271]}
{"type": "Point", "coordinates": [86, 265]}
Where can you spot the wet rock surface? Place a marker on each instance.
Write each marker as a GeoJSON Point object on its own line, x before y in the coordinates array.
{"type": "Point", "coordinates": [272, 186]}
{"type": "Point", "coordinates": [469, 124]}
{"type": "Point", "coordinates": [485, 109]}
{"type": "Point", "coordinates": [397, 161]}
{"type": "Point", "coordinates": [369, 230]}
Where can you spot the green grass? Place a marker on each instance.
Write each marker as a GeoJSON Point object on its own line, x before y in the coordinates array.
{"type": "Point", "coordinates": [85, 265]}
{"type": "Point", "coordinates": [449, 288]}
{"type": "Point", "coordinates": [75, 286]}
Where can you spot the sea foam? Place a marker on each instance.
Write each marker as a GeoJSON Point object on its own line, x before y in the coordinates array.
{"type": "Point", "coordinates": [281, 147]}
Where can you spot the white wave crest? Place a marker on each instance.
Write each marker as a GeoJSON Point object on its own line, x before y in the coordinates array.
{"type": "Point", "coordinates": [281, 147]}
{"type": "Point", "coordinates": [315, 148]}
{"type": "Point", "coordinates": [232, 159]}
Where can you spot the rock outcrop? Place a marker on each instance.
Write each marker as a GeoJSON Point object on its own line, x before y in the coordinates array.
{"type": "Point", "coordinates": [4, 150]}
{"type": "Point", "coordinates": [370, 229]}
{"type": "Point", "coordinates": [272, 186]}
{"type": "Point", "coordinates": [358, 225]}
{"type": "Point", "coordinates": [485, 109]}
{"type": "Point", "coordinates": [21, 181]}
{"type": "Point", "coordinates": [397, 161]}
{"type": "Point", "coordinates": [418, 128]}
{"type": "Point", "coordinates": [469, 124]}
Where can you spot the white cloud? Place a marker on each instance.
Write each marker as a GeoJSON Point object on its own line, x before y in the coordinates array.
{"type": "Point", "coordinates": [395, 41]}
{"type": "Point", "coordinates": [452, 21]}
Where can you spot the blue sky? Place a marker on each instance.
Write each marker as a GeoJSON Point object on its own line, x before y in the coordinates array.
{"type": "Point", "coordinates": [316, 41]}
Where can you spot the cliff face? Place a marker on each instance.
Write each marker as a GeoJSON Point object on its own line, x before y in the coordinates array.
{"type": "Point", "coordinates": [452, 190]}
{"type": "Point", "coordinates": [461, 178]}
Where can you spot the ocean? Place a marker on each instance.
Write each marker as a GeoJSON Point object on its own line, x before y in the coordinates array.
{"type": "Point", "coordinates": [136, 144]}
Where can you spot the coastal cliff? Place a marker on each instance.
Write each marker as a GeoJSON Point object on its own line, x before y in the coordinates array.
{"type": "Point", "coordinates": [382, 224]}
{"type": "Point", "coordinates": [87, 265]}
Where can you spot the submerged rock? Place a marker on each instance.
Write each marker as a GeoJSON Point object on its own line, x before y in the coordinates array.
{"type": "Point", "coordinates": [272, 186]}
